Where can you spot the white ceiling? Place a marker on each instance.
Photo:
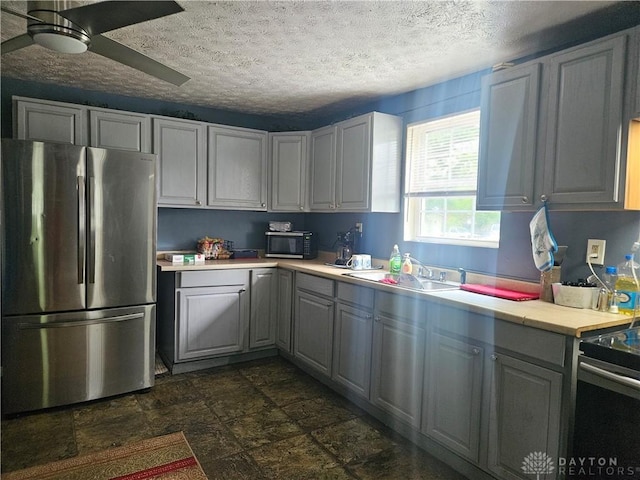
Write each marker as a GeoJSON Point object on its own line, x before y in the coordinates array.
{"type": "Point", "coordinates": [302, 58]}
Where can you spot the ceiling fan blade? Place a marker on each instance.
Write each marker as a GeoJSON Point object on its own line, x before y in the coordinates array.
{"type": "Point", "coordinates": [26, 16]}
{"type": "Point", "coordinates": [16, 43]}
{"type": "Point", "coordinates": [106, 16]}
{"type": "Point", "coordinates": [120, 53]}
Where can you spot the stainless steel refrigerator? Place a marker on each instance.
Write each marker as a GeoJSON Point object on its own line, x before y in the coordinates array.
{"type": "Point", "coordinates": [78, 273]}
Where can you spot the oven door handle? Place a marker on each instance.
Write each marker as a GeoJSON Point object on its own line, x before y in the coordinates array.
{"type": "Point", "coordinates": [614, 377]}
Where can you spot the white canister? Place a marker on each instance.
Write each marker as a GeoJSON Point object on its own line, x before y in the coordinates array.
{"type": "Point", "coordinates": [366, 262]}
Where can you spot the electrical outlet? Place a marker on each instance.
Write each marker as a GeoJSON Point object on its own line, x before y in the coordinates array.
{"type": "Point", "coordinates": [595, 251]}
{"type": "Point", "coordinates": [359, 228]}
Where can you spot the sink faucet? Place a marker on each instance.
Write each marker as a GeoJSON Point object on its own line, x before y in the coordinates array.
{"type": "Point", "coordinates": [442, 277]}
{"type": "Point", "coordinates": [463, 276]}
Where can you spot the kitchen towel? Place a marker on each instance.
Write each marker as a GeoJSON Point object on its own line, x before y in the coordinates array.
{"type": "Point", "coordinates": [499, 292]}
{"type": "Point", "coordinates": [543, 243]}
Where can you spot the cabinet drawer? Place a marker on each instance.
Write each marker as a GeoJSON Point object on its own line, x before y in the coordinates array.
{"type": "Point", "coordinates": [401, 307]}
{"type": "Point", "coordinates": [317, 285]}
{"type": "Point", "coordinates": [535, 343]}
{"type": "Point", "coordinates": [354, 294]}
{"type": "Point", "coordinates": [205, 278]}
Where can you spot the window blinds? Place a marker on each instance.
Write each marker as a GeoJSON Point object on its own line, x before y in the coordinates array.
{"type": "Point", "coordinates": [442, 155]}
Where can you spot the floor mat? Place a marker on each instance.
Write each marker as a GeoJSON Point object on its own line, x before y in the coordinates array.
{"type": "Point", "coordinates": [161, 368]}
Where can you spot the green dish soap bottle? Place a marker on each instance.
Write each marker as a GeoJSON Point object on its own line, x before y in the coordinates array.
{"type": "Point", "coordinates": [395, 261]}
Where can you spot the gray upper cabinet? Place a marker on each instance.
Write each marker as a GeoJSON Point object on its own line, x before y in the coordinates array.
{"type": "Point", "coordinates": [48, 121]}
{"type": "Point", "coordinates": [237, 174]}
{"type": "Point", "coordinates": [262, 325]}
{"type": "Point", "coordinates": [181, 146]}
{"type": "Point", "coordinates": [355, 165]}
{"type": "Point", "coordinates": [322, 195]}
{"type": "Point", "coordinates": [288, 173]}
{"type": "Point", "coordinates": [121, 130]}
{"type": "Point", "coordinates": [584, 118]}
{"type": "Point", "coordinates": [553, 130]}
{"type": "Point", "coordinates": [508, 128]}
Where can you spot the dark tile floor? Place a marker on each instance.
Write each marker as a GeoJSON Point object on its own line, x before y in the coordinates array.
{"type": "Point", "coordinates": [257, 420]}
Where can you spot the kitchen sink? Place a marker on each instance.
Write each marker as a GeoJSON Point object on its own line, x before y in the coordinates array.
{"type": "Point", "coordinates": [405, 281]}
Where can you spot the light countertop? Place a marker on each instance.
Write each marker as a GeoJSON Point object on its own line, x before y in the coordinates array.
{"type": "Point", "coordinates": [533, 313]}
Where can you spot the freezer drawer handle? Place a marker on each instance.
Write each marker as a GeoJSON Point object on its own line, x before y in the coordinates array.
{"type": "Point", "coordinates": [614, 377]}
{"type": "Point", "coordinates": [76, 323]}
{"type": "Point", "coordinates": [81, 232]}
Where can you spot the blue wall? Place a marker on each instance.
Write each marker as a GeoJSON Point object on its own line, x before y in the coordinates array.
{"type": "Point", "coordinates": [180, 228]}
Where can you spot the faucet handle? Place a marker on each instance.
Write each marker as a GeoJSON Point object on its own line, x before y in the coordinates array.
{"type": "Point", "coordinates": [463, 276]}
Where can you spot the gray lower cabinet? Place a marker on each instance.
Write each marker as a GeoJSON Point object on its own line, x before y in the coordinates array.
{"type": "Point", "coordinates": [284, 310]}
{"type": "Point", "coordinates": [264, 289]}
{"type": "Point", "coordinates": [453, 394]}
{"type": "Point", "coordinates": [524, 416]}
{"type": "Point", "coordinates": [352, 338]}
{"type": "Point", "coordinates": [313, 322]}
{"type": "Point", "coordinates": [398, 356]}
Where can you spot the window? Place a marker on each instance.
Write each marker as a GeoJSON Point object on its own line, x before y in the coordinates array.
{"type": "Point", "coordinates": [440, 188]}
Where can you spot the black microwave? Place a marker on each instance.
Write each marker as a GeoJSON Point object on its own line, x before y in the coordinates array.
{"type": "Point", "coordinates": [300, 245]}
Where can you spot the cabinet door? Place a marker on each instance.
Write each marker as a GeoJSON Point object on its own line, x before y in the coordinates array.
{"type": "Point", "coordinates": [121, 130]}
{"type": "Point", "coordinates": [583, 122]}
{"type": "Point", "coordinates": [323, 169]}
{"type": "Point", "coordinates": [398, 368]}
{"type": "Point", "coordinates": [313, 331]}
{"type": "Point", "coordinates": [237, 168]}
{"type": "Point", "coordinates": [212, 321]}
{"type": "Point", "coordinates": [289, 171]}
{"type": "Point", "coordinates": [353, 164]}
{"type": "Point", "coordinates": [182, 163]}
{"type": "Point", "coordinates": [262, 326]}
{"type": "Point", "coordinates": [508, 137]}
{"type": "Point", "coordinates": [524, 416]}
{"type": "Point", "coordinates": [285, 306]}
{"type": "Point", "coordinates": [453, 397]}
{"type": "Point", "coordinates": [50, 122]}
{"type": "Point", "coordinates": [352, 348]}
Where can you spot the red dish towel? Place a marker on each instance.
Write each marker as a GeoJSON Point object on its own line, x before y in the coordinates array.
{"type": "Point", "coordinates": [499, 292]}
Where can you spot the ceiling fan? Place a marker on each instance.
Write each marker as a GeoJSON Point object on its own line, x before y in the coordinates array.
{"type": "Point", "coordinates": [76, 30]}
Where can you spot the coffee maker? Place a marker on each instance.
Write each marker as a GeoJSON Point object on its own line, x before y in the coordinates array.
{"type": "Point", "coordinates": [345, 247]}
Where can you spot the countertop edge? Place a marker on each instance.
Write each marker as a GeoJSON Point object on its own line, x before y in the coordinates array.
{"type": "Point", "coordinates": [531, 313]}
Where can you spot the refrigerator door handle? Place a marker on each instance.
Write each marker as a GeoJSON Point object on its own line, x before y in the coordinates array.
{"type": "Point", "coordinates": [81, 322]}
{"type": "Point", "coordinates": [81, 229]}
{"type": "Point", "coordinates": [91, 267]}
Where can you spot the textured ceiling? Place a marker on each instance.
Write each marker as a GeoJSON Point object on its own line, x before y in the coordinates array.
{"type": "Point", "coordinates": [302, 58]}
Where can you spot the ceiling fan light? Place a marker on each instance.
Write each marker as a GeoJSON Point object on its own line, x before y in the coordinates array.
{"type": "Point", "coordinates": [60, 42]}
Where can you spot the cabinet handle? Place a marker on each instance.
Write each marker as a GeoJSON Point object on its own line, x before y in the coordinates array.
{"type": "Point", "coordinates": [368, 317]}
{"type": "Point", "coordinates": [242, 290]}
{"type": "Point", "coordinates": [331, 205]}
{"type": "Point", "coordinates": [198, 202]}
{"type": "Point", "coordinates": [338, 206]}
{"type": "Point", "coordinates": [376, 318]}
{"type": "Point", "coordinates": [263, 204]}
{"type": "Point", "coordinates": [475, 351]}
{"type": "Point", "coordinates": [543, 198]}
{"type": "Point", "coordinates": [301, 207]}
{"type": "Point", "coordinates": [494, 357]}
{"type": "Point", "coordinates": [525, 199]}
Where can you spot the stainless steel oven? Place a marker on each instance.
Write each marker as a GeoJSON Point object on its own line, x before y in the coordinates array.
{"type": "Point", "coordinates": [607, 422]}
